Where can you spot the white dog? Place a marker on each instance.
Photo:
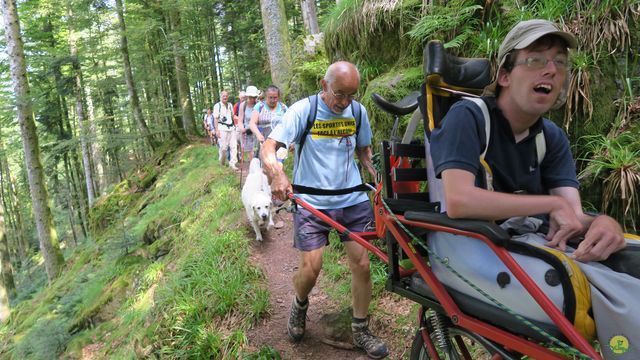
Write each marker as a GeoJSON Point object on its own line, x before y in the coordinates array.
{"type": "Point", "coordinates": [256, 197]}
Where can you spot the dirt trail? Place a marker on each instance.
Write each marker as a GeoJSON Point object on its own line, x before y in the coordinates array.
{"type": "Point", "coordinates": [279, 260]}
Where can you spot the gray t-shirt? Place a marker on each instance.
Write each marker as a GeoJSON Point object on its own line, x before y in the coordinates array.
{"type": "Point", "coordinates": [327, 160]}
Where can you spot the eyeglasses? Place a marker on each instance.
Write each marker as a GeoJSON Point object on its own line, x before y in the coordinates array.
{"type": "Point", "coordinates": [341, 96]}
{"type": "Point", "coordinates": [540, 62]}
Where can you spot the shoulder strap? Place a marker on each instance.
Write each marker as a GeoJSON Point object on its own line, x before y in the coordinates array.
{"type": "Point", "coordinates": [356, 109]}
{"type": "Point", "coordinates": [311, 118]}
{"type": "Point", "coordinates": [541, 146]}
{"type": "Point", "coordinates": [488, 174]}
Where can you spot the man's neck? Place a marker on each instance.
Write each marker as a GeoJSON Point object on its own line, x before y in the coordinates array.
{"type": "Point", "coordinates": [519, 120]}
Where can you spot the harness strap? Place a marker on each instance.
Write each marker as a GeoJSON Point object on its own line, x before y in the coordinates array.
{"type": "Point", "coordinates": [541, 147]}
{"type": "Point", "coordinates": [541, 144]}
{"type": "Point", "coordinates": [488, 174]}
{"type": "Point", "coordinates": [301, 189]}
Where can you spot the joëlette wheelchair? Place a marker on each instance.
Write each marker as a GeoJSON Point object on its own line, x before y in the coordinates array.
{"type": "Point", "coordinates": [454, 324]}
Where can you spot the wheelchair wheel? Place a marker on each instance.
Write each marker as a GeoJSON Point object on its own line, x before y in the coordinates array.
{"type": "Point", "coordinates": [459, 344]}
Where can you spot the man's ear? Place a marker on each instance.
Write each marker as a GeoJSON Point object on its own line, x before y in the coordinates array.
{"type": "Point", "coordinates": [323, 83]}
{"type": "Point", "coordinates": [504, 77]}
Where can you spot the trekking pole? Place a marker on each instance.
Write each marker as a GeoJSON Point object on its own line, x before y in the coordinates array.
{"type": "Point", "coordinates": [244, 138]}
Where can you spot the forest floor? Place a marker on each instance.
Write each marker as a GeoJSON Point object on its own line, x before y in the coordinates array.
{"type": "Point", "coordinates": [327, 335]}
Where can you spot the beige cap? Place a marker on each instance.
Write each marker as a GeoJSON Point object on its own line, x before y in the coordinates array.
{"type": "Point", "coordinates": [251, 91]}
{"type": "Point", "coordinates": [524, 34]}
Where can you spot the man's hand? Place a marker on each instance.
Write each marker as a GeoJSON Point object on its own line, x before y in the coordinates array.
{"type": "Point", "coordinates": [603, 238]}
{"type": "Point", "coordinates": [280, 184]}
{"type": "Point", "coordinates": [281, 187]}
{"type": "Point", "coordinates": [563, 225]}
{"type": "Point", "coordinates": [365, 155]}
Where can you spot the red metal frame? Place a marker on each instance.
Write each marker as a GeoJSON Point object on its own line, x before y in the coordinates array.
{"type": "Point", "coordinates": [459, 318]}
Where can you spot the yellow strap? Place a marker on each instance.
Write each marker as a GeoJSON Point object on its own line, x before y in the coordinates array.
{"type": "Point", "coordinates": [583, 322]}
{"type": "Point", "coordinates": [631, 237]}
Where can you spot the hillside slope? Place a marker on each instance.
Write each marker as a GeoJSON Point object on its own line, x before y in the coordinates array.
{"type": "Point", "coordinates": [167, 274]}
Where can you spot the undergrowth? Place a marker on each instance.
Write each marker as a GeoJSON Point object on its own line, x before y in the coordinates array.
{"type": "Point", "coordinates": [167, 275]}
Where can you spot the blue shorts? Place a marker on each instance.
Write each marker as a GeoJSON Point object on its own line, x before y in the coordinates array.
{"type": "Point", "coordinates": [311, 233]}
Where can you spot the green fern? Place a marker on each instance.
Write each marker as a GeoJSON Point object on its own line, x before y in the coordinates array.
{"type": "Point", "coordinates": [453, 23]}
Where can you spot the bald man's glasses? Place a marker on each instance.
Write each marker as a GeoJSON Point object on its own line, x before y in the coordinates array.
{"type": "Point", "coordinates": [341, 96]}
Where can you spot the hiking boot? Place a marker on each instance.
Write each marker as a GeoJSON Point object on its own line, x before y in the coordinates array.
{"type": "Point", "coordinates": [233, 167]}
{"type": "Point", "coordinates": [363, 339]}
{"type": "Point", "coordinates": [297, 320]}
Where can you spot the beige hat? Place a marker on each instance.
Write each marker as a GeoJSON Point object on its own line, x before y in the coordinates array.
{"type": "Point", "coordinates": [251, 91]}
{"type": "Point", "coordinates": [524, 34]}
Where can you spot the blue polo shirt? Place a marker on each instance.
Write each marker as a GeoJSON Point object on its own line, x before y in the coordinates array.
{"type": "Point", "coordinates": [460, 140]}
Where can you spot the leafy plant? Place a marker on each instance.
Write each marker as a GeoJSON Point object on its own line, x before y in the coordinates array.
{"type": "Point", "coordinates": [45, 340]}
{"type": "Point", "coordinates": [579, 88]}
{"type": "Point", "coordinates": [453, 23]}
{"type": "Point", "coordinates": [265, 352]}
{"type": "Point", "coordinates": [616, 163]}
{"type": "Point", "coordinates": [371, 33]}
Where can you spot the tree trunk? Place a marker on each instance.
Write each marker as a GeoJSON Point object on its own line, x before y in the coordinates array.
{"type": "Point", "coordinates": [72, 223]}
{"type": "Point", "coordinates": [107, 94]}
{"type": "Point", "coordinates": [97, 155]}
{"type": "Point", "coordinates": [310, 16]}
{"type": "Point", "coordinates": [13, 205]}
{"type": "Point", "coordinates": [76, 196]}
{"type": "Point", "coordinates": [131, 85]}
{"type": "Point", "coordinates": [236, 67]}
{"type": "Point", "coordinates": [174, 99]}
{"type": "Point", "coordinates": [80, 112]}
{"type": "Point", "coordinates": [212, 71]}
{"type": "Point", "coordinates": [12, 214]}
{"type": "Point", "coordinates": [184, 94]}
{"type": "Point", "coordinates": [53, 260]}
{"type": "Point", "coordinates": [5, 288]}
{"type": "Point", "coordinates": [217, 62]}
{"type": "Point", "coordinates": [276, 35]}
{"type": "Point", "coordinates": [5, 263]}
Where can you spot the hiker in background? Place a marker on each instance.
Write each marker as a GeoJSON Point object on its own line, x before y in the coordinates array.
{"type": "Point", "coordinates": [267, 114]}
{"type": "Point", "coordinates": [208, 126]}
{"type": "Point", "coordinates": [237, 120]}
{"type": "Point", "coordinates": [226, 130]}
{"type": "Point", "coordinates": [327, 161]}
{"type": "Point", "coordinates": [236, 106]}
{"type": "Point", "coordinates": [244, 117]}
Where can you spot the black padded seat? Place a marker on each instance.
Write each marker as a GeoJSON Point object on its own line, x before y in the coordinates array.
{"type": "Point", "coordinates": [626, 261]}
{"type": "Point", "coordinates": [456, 71]}
{"type": "Point", "coordinates": [492, 231]}
{"type": "Point", "coordinates": [402, 107]}
{"type": "Point", "coordinates": [400, 206]}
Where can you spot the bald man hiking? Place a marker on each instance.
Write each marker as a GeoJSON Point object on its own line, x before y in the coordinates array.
{"type": "Point", "coordinates": [328, 128]}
